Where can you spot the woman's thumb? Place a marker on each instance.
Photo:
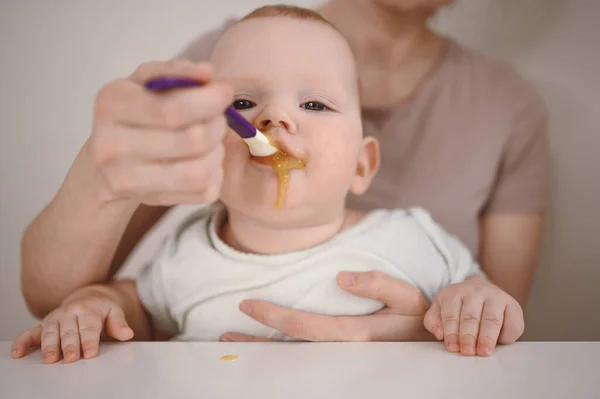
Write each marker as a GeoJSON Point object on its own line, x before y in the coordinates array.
{"type": "Point", "coordinates": [394, 293]}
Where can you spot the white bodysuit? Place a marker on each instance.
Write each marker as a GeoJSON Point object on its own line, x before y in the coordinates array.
{"type": "Point", "coordinates": [193, 289]}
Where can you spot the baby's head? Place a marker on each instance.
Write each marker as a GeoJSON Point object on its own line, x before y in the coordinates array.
{"type": "Point", "coordinates": [295, 79]}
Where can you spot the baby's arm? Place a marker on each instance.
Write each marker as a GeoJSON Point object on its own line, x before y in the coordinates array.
{"type": "Point", "coordinates": [95, 312]}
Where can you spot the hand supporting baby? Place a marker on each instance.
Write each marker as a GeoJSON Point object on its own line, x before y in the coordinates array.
{"type": "Point", "coordinates": [472, 317]}
{"type": "Point", "coordinates": [401, 318]}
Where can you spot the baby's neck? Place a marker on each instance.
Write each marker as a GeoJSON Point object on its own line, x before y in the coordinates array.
{"type": "Point", "coordinates": [249, 235]}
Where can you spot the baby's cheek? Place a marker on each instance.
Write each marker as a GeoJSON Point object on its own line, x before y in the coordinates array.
{"type": "Point", "coordinates": [329, 179]}
{"type": "Point", "coordinates": [335, 161]}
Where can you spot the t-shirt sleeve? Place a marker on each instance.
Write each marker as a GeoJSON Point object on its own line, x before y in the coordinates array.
{"type": "Point", "coordinates": [201, 48]}
{"type": "Point", "coordinates": [154, 295]}
{"type": "Point", "coordinates": [459, 260]}
{"type": "Point", "coordinates": [522, 179]}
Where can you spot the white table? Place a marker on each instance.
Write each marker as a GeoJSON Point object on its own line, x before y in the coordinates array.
{"type": "Point", "coordinates": [308, 370]}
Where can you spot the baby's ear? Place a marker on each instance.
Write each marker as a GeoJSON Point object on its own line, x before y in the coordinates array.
{"type": "Point", "coordinates": [367, 166]}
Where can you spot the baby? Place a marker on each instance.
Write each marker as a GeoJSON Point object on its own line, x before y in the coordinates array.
{"type": "Point", "coordinates": [295, 79]}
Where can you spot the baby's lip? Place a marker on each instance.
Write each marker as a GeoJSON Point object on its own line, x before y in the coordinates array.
{"type": "Point", "coordinates": [288, 148]}
{"type": "Point", "coordinates": [292, 151]}
{"type": "Point", "coordinates": [262, 160]}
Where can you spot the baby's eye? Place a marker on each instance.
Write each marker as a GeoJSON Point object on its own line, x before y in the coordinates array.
{"type": "Point", "coordinates": [243, 104]}
{"type": "Point", "coordinates": [314, 106]}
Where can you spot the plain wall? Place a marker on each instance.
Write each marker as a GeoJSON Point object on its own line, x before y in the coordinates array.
{"type": "Point", "coordinates": [56, 54]}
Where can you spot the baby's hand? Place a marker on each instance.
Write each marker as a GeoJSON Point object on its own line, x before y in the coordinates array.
{"type": "Point", "coordinates": [75, 328]}
{"type": "Point", "coordinates": [473, 316]}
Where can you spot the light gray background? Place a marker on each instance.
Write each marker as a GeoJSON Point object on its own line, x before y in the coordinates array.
{"type": "Point", "coordinates": [56, 54]}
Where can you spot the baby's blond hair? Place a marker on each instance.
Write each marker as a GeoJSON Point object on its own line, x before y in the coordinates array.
{"type": "Point", "coordinates": [284, 10]}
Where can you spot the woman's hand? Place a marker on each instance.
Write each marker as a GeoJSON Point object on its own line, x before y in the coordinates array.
{"type": "Point", "coordinates": [147, 151]}
{"type": "Point", "coordinates": [75, 329]}
{"type": "Point", "coordinates": [473, 316]}
{"type": "Point", "coordinates": [160, 149]}
{"type": "Point", "coordinates": [400, 320]}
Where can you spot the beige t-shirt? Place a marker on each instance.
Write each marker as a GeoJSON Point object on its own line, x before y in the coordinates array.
{"type": "Point", "coordinates": [472, 141]}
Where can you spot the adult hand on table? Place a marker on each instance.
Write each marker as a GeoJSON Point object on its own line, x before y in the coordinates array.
{"type": "Point", "coordinates": [400, 320]}
{"type": "Point", "coordinates": [160, 149]}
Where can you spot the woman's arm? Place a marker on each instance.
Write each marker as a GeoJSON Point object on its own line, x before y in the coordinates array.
{"type": "Point", "coordinates": [78, 239]}
{"type": "Point", "coordinates": [510, 248]}
{"type": "Point", "coordinates": [512, 222]}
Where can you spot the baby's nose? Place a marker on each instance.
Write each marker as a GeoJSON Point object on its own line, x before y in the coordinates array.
{"type": "Point", "coordinates": [274, 117]}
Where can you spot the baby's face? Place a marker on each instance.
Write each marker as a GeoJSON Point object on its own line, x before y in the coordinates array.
{"type": "Point", "coordinates": [296, 81]}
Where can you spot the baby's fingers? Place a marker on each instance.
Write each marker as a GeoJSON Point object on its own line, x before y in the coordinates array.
{"type": "Point", "coordinates": [90, 328]}
{"type": "Point", "coordinates": [69, 338]}
{"type": "Point", "coordinates": [116, 325]}
{"type": "Point", "coordinates": [433, 321]}
{"type": "Point", "coordinates": [450, 322]}
{"type": "Point", "coordinates": [492, 319]}
{"type": "Point", "coordinates": [50, 341]}
{"type": "Point", "coordinates": [470, 317]}
{"type": "Point", "coordinates": [31, 338]}
{"type": "Point", "coordinates": [514, 323]}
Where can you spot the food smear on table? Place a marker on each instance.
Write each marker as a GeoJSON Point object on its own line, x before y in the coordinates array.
{"type": "Point", "coordinates": [228, 358]}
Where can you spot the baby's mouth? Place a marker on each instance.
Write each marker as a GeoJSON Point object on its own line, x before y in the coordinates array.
{"type": "Point", "coordinates": [282, 162]}
{"type": "Point", "coordinates": [262, 160]}
{"type": "Point", "coordinates": [287, 152]}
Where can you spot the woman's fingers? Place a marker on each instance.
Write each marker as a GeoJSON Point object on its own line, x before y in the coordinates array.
{"type": "Point", "coordinates": [160, 148]}
{"type": "Point", "coordinates": [237, 337]}
{"type": "Point", "coordinates": [128, 102]}
{"type": "Point", "coordinates": [294, 323]}
{"type": "Point", "coordinates": [399, 295]}
{"type": "Point", "coordinates": [31, 338]}
{"type": "Point", "coordinates": [202, 72]}
{"type": "Point", "coordinates": [124, 103]}
{"type": "Point", "coordinates": [401, 319]}
{"type": "Point", "coordinates": [153, 145]}
{"type": "Point", "coordinates": [201, 177]}
{"type": "Point", "coordinates": [386, 325]}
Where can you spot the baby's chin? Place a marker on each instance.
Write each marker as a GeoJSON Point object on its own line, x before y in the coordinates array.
{"type": "Point", "coordinates": [263, 204]}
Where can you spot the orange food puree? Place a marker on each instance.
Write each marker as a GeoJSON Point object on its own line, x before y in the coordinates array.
{"type": "Point", "coordinates": [282, 164]}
